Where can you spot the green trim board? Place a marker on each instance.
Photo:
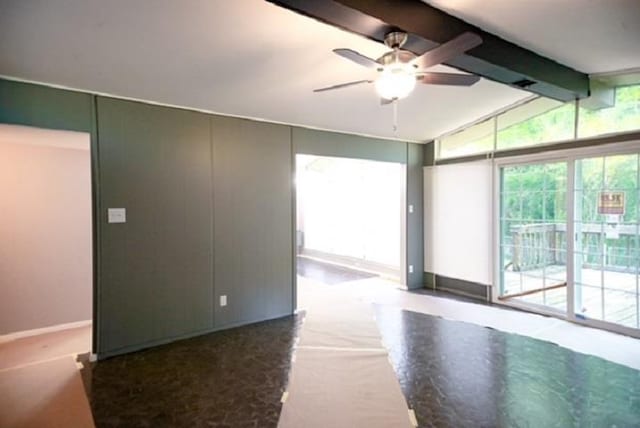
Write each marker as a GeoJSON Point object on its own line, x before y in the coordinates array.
{"type": "Point", "coordinates": [44, 107]}
{"type": "Point", "coordinates": [430, 280]}
{"type": "Point", "coordinates": [294, 231]}
{"type": "Point", "coordinates": [336, 144]}
{"type": "Point", "coordinates": [429, 154]}
{"type": "Point", "coordinates": [474, 290]}
{"type": "Point", "coordinates": [96, 210]}
{"type": "Point", "coordinates": [414, 216]}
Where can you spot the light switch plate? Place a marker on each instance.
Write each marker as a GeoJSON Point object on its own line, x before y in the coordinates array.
{"type": "Point", "coordinates": [410, 209]}
{"type": "Point", "coordinates": [410, 268]}
{"type": "Point", "coordinates": [116, 215]}
{"type": "Point", "coordinates": [223, 300]}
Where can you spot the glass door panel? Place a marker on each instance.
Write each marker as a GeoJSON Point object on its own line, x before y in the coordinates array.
{"type": "Point", "coordinates": [533, 226]}
{"type": "Point", "coordinates": [606, 256]}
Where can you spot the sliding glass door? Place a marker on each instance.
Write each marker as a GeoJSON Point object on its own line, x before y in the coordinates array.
{"type": "Point", "coordinates": [606, 246]}
{"type": "Point", "coordinates": [533, 253]}
{"type": "Point", "coordinates": [569, 239]}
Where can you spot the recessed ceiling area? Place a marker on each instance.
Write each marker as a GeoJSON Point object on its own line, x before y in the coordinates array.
{"type": "Point", "coordinates": [592, 36]}
{"type": "Point", "coordinates": [245, 58]}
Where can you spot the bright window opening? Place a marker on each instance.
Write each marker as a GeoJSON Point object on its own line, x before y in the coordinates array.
{"type": "Point", "coordinates": [349, 212]}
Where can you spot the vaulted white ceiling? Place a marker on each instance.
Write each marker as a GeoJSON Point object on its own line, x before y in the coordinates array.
{"type": "Point", "coordinates": [252, 59]}
{"type": "Point", "coordinates": [246, 57]}
{"type": "Point", "coordinates": [592, 36]}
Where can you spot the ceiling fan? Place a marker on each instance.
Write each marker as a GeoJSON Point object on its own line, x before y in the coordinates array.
{"type": "Point", "coordinates": [399, 70]}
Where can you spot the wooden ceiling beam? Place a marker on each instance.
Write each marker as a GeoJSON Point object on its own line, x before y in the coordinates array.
{"type": "Point", "coordinates": [495, 59]}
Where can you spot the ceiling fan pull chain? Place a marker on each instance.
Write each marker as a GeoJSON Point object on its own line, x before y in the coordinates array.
{"type": "Point", "coordinates": [395, 116]}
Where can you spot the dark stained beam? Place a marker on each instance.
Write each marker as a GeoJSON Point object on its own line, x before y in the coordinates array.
{"type": "Point", "coordinates": [495, 59]}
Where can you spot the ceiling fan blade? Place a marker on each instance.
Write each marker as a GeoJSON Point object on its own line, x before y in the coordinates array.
{"type": "Point", "coordinates": [342, 85]}
{"type": "Point", "coordinates": [449, 50]}
{"type": "Point", "coordinates": [357, 57]}
{"type": "Point", "coordinates": [447, 79]}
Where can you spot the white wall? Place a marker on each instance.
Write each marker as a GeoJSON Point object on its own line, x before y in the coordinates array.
{"type": "Point", "coordinates": [45, 228]}
{"type": "Point", "coordinates": [459, 220]}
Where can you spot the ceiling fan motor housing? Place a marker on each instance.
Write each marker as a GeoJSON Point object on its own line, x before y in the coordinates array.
{"type": "Point", "coordinates": [395, 39]}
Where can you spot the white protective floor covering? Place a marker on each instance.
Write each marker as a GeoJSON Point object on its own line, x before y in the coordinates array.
{"type": "Point", "coordinates": [341, 375]}
{"type": "Point", "coordinates": [610, 346]}
{"type": "Point", "coordinates": [40, 384]}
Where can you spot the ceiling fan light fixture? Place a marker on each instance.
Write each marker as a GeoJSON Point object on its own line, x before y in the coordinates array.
{"type": "Point", "coordinates": [396, 82]}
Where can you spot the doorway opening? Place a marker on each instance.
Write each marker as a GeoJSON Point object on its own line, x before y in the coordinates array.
{"type": "Point", "coordinates": [570, 238]}
{"type": "Point", "coordinates": [349, 221]}
{"type": "Point", "coordinates": [46, 244]}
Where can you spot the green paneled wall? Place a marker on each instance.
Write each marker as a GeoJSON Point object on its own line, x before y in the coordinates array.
{"type": "Point", "coordinates": [209, 204]}
{"type": "Point", "coordinates": [253, 216]}
{"type": "Point", "coordinates": [157, 279]}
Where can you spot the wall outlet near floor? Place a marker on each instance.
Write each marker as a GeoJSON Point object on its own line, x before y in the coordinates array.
{"type": "Point", "coordinates": [410, 209]}
{"type": "Point", "coordinates": [410, 268]}
{"type": "Point", "coordinates": [223, 300]}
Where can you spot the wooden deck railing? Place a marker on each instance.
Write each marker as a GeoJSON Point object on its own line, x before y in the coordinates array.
{"type": "Point", "coordinates": [534, 246]}
{"type": "Point", "coordinates": [543, 244]}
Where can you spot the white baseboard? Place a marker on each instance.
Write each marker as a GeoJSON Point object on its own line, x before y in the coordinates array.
{"type": "Point", "coordinates": [27, 333]}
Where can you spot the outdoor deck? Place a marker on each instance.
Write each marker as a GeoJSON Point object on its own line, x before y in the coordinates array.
{"type": "Point", "coordinates": [535, 258]}
{"type": "Point", "coordinates": [615, 302]}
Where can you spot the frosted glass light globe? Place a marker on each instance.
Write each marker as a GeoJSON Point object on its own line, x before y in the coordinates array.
{"type": "Point", "coordinates": [396, 82]}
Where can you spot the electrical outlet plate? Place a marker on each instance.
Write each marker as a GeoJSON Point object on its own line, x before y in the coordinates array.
{"type": "Point", "coordinates": [223, 300]}
{"type": "Point", "coordinates": [117, 215]}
